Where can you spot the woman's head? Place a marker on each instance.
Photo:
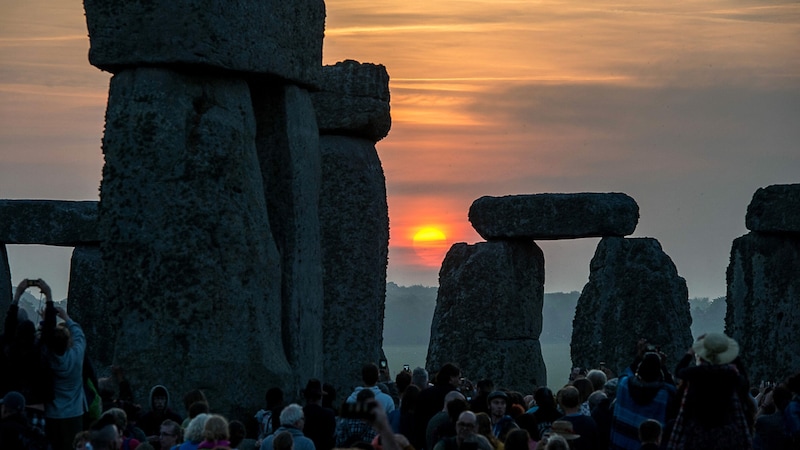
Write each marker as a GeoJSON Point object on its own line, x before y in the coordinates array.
{"type": "Point", "coordinates": [216, 428]}
{"type": "Point", "coordinates": [194, 431]}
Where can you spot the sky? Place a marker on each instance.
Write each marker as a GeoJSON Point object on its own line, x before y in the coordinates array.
{"type": "Point", "coordinates": [688, 107]}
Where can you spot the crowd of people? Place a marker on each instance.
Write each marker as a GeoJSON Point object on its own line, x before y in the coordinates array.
{"type": "Point", "coordinates": [51, 399]}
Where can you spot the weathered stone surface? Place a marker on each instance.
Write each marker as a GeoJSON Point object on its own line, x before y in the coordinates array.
{"type": "Point", "coordinates": [763, 308]}
{"type": "Point", "coordinates": [48, 222]}
{"type": "Point", "coordinates": [775, 209]}
{"type": "Point", "coordinates": [268, 37]}
{"type": "Point", "coordinates": [88, 304]}
{"type": "Point", "coordinates": [355, 243]}
{"type": "Point", "coordinates": [354, 100]}
{"type": "Point", "coordinates": [554, 216]}
{"type": "Point", "coordinates": [186, 243]}
{"type": "Point", "coordinates": [6, 289]}
{"type": "Point", "coordinates": [288, 149]}
{"type": "Point", "coordinates": [634, 291]}
{"type": "Point", "coordinates": [488, 314]}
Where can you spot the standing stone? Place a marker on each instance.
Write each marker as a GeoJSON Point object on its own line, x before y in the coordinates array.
{"type": "Point", "coordinates": [763, 308]}
{"type": "Point", "coordinates": [88, 304]}
{"type": "Point", "coordinates": [275, 37]}
{"type": "Point", "coordinates": [634, 291]}
{"type": "Point", "coordinates": [488, 314]}
{"type": "Point", "coordinates": [189, 257]}
{"type": "Point", "coordinates": [287, 141]}
{"type": "Point", "coordinates": [355, 244]}
{"type": "Point", "coordinates": [48, 222]}
{"type": "Point", "coordinates": [6, 289]}
{"type": "Point", "coordinates": [352, 109]}
{"type": "Point", "coordinates": [554, 216]}
{"type": "Point", "coordinates": [775, 209]}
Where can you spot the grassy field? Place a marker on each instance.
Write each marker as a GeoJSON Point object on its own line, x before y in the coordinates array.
{"type": "Point", "coordinates": [556, 359]}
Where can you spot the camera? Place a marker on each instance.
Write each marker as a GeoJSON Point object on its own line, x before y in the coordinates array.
{"type": "Point", "coordinates": [406, 368]}
{"type": "Point", "coordinates": [32, 283]}
{"type": "Point", "coordinates": [383, 364]}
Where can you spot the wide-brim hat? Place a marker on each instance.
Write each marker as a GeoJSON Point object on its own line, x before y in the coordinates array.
{"type": "Point", "coordinates": [716, 348]}
{"type": "Point", "coordinates": [314, 388]}
{"type": "Point", "coordinates": [564, 429]}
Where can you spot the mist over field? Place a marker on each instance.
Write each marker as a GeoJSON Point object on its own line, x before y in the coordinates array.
{"type": "Point", "coordinates": [409, 311]}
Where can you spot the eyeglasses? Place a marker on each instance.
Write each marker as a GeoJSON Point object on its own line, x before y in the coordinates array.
{"type": "Point", "coordinates": [465, 425]}
{"type": "Point", "coordinates": [168, 434]}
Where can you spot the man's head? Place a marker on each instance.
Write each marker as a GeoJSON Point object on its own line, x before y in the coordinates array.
{"type": "Point", "coordinates": [402, 380]}
{"type": "Point", "coordinates": [485, 386]}
{"type": "Point", "coordinates": [650, 432]}
{"type": "Point", "coordinates": [369, 374]}
{"type": "Point", "coordinates": [451, 396]}
{"type": "Point", "coordinates": [169, 434]}
{"type": "Point", "coordinates": [61, 340]}
{"type": "Point", "coordinates": [569, 398]}
{"type": "Point", "coordinates": [12, 403]}
{"type": "Point", "coordinates": [598, 379]}
{"type": "Point", "coordinates": [419, 378]}
{"type": "Point", "coordinates": [105, 438]}
{"type": "Point", "coordinates": [449, 374]}
{"type": "Point", "coordinates": [465, 425]}
{"type": "Point", "coordinates": [313, 392]}
{"type": "Point", "coordinates": [292, 416]}
{"type": "Point", "coordinates": [159, 398]}
{"type": "Point", "coordinates": [497, 402]}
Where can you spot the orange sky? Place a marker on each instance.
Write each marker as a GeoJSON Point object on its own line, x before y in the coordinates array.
{"type": "Point", "coordinates": [688, 107]}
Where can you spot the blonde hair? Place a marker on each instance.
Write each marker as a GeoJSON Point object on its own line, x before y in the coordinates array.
{"type": "Point", "coordinates": [216, 428]}
{"type": "Point", "coordinates": [194, 431]}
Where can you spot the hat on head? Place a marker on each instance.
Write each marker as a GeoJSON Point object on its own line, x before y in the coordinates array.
{"type": "Point", "coordinates": [716, 348]}
{"type": "Point", "coordinates": [497, 394]}
{"type": "Point", "coordinates": [564, 429]}
{"type": "Point", "coordinates": [14, 400]}
{"type": "Point", "coordinates": [313, 388]}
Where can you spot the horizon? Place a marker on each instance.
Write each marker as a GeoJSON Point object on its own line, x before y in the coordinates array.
{"type": "Point", "coordinates": [687, 107]}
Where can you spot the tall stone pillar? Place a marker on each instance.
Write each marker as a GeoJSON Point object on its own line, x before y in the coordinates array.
{"type": "Point", "coordinates": [287, 142]}
{"type": "Point", "coordinates": [763, 285]}
{"type": "Point", "coordinates": [89, 305]}
{"type": "Point", "coordinates": [353, 114]}
{"type": "Point", "coordinates": [6, 289]}
{"type": "Point", "coordinates": [185, 239]}
{"type": "Point", "coordinates": [488, 314]}
{"type": "Point", "coordinates": [634, 291]}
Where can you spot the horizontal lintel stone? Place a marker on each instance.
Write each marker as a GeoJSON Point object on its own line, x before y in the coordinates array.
{"type": "Point", "coordinates": [272, 37]}
{"type": "Point", "coordinates": [554, 216]}
{"type": "Point", "coordinates": [354, 100]}
{"type": "Point", "coordinates": [775, 209]}
{"type": "Point", "coordinates": [48, 222]}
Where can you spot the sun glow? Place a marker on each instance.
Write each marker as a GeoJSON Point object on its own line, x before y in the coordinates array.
{"type": "Point", "coordinates": [430, 245]}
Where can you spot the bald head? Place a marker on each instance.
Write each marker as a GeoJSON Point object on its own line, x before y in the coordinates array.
{"type": "Point", "coordinates": [452, 395]}
{"type": "Point", "coordinates": [466, 425]}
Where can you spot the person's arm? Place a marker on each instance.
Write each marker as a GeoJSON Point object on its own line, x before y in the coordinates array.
{"type": "Point", "coordinates": [381, 424]}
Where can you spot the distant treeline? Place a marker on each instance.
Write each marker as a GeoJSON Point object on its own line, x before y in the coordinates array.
{"type": "Point", "coordinates": [409, 311]}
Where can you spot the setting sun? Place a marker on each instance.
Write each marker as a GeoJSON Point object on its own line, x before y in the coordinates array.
{"type": "Point", "coordinates": [430, 245]}
{"type": "Point", "coordinates": [429, 234]}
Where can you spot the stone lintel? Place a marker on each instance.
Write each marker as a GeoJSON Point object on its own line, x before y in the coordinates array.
{"type": "Point", "coordinates": [48, 222]}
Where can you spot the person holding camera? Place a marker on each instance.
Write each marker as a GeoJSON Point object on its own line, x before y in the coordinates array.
{"type": "Point", "coordinates": [21, 350]}
{"type": "Point", "coordinates": [65, 346]}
